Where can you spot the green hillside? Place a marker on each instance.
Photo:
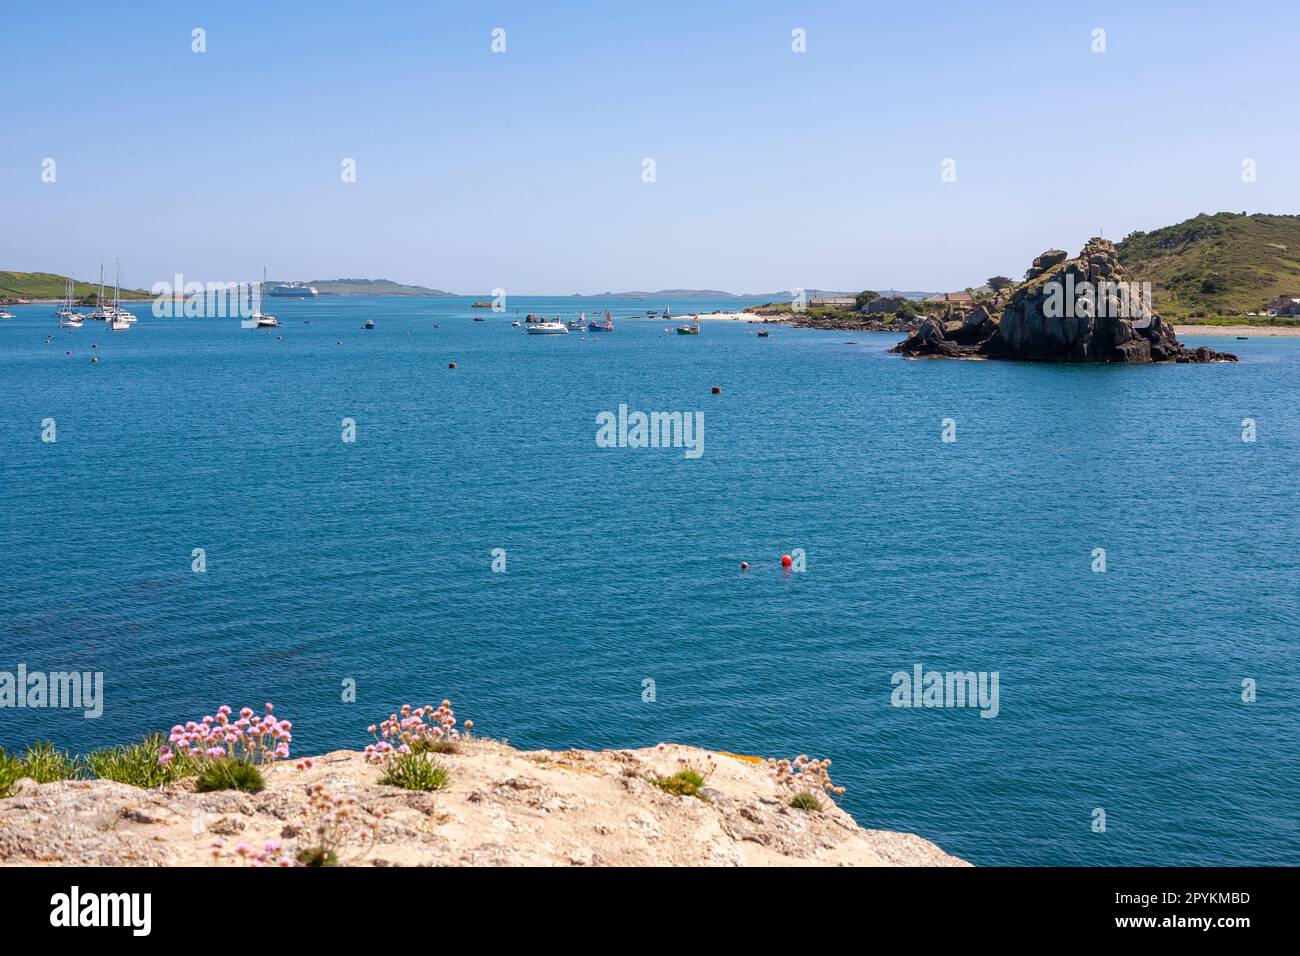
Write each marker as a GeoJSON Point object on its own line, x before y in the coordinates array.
{"type": "Point", "coordinates": [1219, 266]}
{"type": "Point", "coordinates": [47, 285]}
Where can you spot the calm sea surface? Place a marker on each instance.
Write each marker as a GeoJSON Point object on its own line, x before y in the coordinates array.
{"type": "Point", "coordinates": [371, 561]}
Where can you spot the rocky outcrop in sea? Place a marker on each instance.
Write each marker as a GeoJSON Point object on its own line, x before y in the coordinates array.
{"type": "Point", "coordinates": [1067, 310]}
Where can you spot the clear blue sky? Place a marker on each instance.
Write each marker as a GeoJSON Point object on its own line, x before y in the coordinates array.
{"type": "Point", "coordinates": [523, 170]}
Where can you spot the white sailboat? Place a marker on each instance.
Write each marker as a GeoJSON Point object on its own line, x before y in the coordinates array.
{"type": "Point", "coordinates": [68, 317]}
{"type": "Point", "coordinates": [117, 312]}
{"type": "Point", "coordinates": [101, 312]}
{"type": "Point", "coordinates": [118, 319]}
{"type": "Point", "coordinates": [260, 319]}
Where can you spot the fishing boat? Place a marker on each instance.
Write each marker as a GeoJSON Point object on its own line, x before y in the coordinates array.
{"type": "Point", "coordinates": [595, 326]}
{"type": "Point", "coordinates": [547, 328]}
{"type": "Point", "coordinates": [259, 318]}
{"type": "Point", "coordinates": [690, 329]}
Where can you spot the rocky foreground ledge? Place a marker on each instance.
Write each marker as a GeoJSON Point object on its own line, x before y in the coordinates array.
{"type": "Point", "coordinates": [501, 807]}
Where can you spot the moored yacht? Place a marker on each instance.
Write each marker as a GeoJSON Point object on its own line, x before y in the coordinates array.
{"type": "Point", "coordinates": [259, 318]}
{"type": "Point", "coordinates": [547, 328]}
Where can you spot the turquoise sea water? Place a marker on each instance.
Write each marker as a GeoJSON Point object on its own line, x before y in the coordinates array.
{"type": "Point", "coordinates": [371, 561]}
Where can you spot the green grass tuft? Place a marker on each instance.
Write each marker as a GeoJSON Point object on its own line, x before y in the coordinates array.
{"type": "Point", "coordinates": [684, 783]}
{"type": "Point", "coordinates": [45, 763]}
{"type": "Point", "coordinates": [137, 764]}
{"type": "Point", "coordinates": [11, 769]}
{"type": "Point", "coordinates": [414, 772]}
{"type": "Point", "coordinates": [807, 802]}
{"type": "Point", "coordinates": [230, 773]}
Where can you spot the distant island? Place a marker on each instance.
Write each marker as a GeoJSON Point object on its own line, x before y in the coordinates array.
{"type": "Point", "coordinates": [370, 287]}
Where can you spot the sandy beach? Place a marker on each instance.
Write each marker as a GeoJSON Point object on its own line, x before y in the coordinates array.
{"type": "Point", "coordinates": [1251, 331]}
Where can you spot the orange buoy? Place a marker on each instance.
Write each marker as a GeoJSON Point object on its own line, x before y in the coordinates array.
{"type": "Point", "coordinates": [717, 390]}
{"type": "Point", "coordinates": [785, 561]}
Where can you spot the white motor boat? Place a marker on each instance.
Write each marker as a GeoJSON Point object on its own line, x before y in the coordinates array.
{"type": "Point", "coordinates": [547, 328]}
{"type": "Point", "coordinates": [117, 324]}
{"type": "Point", "coordinates": [6, 315]}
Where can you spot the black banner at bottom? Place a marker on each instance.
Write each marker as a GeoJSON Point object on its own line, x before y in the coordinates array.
{"type": "Point", "coordinates": [142, 906]}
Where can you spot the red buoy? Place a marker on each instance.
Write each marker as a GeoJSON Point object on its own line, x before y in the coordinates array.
{"type": "Point", "coordinates": [785, 561]}
{"type": "Point", "coordinates": [744, 565]}
{"type": "Point", "coordinates": [451, 365]}
{"type": "Point", "coordinates": [717, 390]}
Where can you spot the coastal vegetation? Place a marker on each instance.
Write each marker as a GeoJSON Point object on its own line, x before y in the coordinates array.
{"type": "Point", "coordinates": [807, 779]}
{"type": "Point", "coordinates": [1218, 267]}
{"type": "Point", "coordinates": [229, 773]}
{"type": "Point", "coordinates": [137, 764]}
{"type": "Point", "coordinates": [414, 771]}
{"type": "Point", "coordinates": [49, 285]}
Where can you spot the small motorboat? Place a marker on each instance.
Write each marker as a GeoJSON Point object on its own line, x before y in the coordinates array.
{"type": "Point", "coordinates": [575, 325]}
{"type": "Point", "coordinates": [1242, 338]}
{"type": "Point", "coordinates": [763, 335]}
{"type": "Point", "coordinates": [263, 321]}
{"type": "Point", "coordinates": [547, 328]}
{"type": "Point", "coordinates": [514, 324]}
{"type": "Point", "coordinates": [6, 315]}
{"type": "Point", "coordinates": [71, 320]}
{"type": "Point", "coordinates": [117, 324]}
{"type": "Point", "coordinates": [479, 318]}
{"type": "Point", "coordinates": [368, 324]}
